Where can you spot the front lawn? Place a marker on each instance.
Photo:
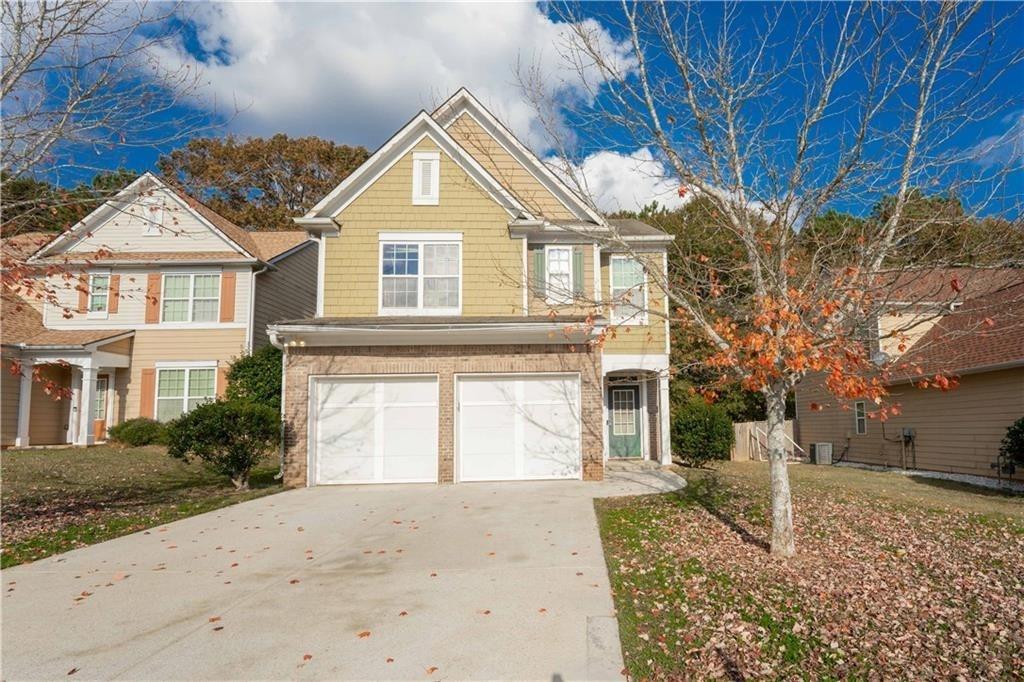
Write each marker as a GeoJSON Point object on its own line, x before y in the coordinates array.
{"type": "Point", "coordinates": [56, 500]}
{"type": "Point", "coordinates": [895, 578]}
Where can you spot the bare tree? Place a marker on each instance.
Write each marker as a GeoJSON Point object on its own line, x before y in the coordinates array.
{"type": "Point", "coordinates": [82, 79]}
{"type": "Point", "coordinates": [884, 96]}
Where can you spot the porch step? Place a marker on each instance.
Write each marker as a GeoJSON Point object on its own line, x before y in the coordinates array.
{"type": "Point", "coordinates": [631, 465]}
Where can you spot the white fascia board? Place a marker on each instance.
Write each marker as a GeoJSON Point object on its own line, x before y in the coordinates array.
{"type": "Point", "coordinates": [464, 102]}
{"type": "Point", "coordinates": [421, 126]}
{"type": "Point", "coordinates": [619, 362]}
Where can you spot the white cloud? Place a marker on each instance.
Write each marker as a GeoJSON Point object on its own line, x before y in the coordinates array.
{"type": "Point", "coordinates": [356, 72]}
{"type": "Point", "coordinates": [618, 181]}
{"type": "Point", "coordinates": [1006, 149]}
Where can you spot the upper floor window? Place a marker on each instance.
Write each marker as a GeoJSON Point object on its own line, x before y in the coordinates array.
{"type": "Point", "coordinates": [628, 290]}
{"type": "Point", "coordinates": [99, 293]}
{"type": "Point", "coordinates": [426, 178]}
{"type": "Point", "coordinates": [559, 276]}
{"type": "Point", "coordinates": [420, 277]}
{"type": "Point", "coordinates": [860, 417]}
{"type": "Point", "coordinates": [191, 297]}
{"type": "Point", "coordinates": [152, 215]}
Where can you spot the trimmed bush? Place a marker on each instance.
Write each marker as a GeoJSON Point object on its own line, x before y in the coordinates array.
{"type": "Point", "coordinates": [1013, 443]}
{"type": "Point", "coordinates": [257, 377]}
{"type": "Point", "coordinates": [229, 436]}
{"type": "Point", "coordinates": [701, 432]}
{"type": "Point", "coordinates": [138, 432]}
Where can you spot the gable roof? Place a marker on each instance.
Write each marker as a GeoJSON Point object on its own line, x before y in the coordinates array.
{"type": "Point", "coordinates": [147, 182]}
{"type": "Point", "coordinates": [986, 332]}
{"type": "Point", "coordinates": [463, 102]}
{"type": "Point", "coordinates": [422, 125]}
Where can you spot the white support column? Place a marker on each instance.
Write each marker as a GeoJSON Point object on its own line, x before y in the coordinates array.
{"type": "Point", "coordinates": [76, 394]}
{"type": "Point", "coordinates": [24, 406]}
{"type": "Point", "coordinates": [87, 396]}
{"type": "Point", "coordinates": [666, 421]}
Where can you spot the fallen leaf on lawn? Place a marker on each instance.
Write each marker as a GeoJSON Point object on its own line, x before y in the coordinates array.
{"type": "Point", "coordinates": [364, 634]}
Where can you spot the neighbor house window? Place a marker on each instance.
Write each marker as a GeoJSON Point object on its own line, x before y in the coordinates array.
{"type": "Point", "coordinates": [152, 216]}
{"type": "Point", "coordinates": [180, 389]}
{"type": "Point", "coordinates": [860, 417]}
{"type": "Point", "coordinates": [558, 283]}
{"type": "Point", "coordinates": [628, 290]}
{"type": "Point", "coordinates": [420, 277]}
{"type": "Point", "coordinates": [99, 292]}
{"type": "Point", "coordinates": [426, 176]}
{"type": "Point", "coordinates": [191, 298]}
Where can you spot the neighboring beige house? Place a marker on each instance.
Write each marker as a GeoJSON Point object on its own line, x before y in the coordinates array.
{"type": "Point", "coordinates": [462, 287]}
{"type": "Point", "coordinates": [154, 294]}
{"type": "Point", "coordinates": [980, 342]}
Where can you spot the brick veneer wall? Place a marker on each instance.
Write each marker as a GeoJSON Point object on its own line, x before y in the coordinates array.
{"type": "Point", "coordinates": [445, 362]}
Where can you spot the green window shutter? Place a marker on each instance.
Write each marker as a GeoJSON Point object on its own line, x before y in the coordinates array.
{"type": "Point", "coordinates": [577, 271]}
{"type": "Point", "coordinates": [539, 272]}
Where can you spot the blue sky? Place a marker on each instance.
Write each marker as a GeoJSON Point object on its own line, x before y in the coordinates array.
{"type": "Point", "coordinates": [354, 73]}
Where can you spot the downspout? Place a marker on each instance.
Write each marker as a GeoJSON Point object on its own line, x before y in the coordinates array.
{"type": "Point", "coordinates": [252, 308]}
{"type": "Point", "coordinates": [284, 378]}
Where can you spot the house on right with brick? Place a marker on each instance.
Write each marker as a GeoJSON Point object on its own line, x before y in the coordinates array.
{"type": "Point", "coordinates": [979, 342]}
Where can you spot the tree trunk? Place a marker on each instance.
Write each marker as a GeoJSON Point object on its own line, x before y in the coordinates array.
{"type": "Point", "coordinates": [783, 542]}
{"type": "Point", "coordinates": [241, 481]}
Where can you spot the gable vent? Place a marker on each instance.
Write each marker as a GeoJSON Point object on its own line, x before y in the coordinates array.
{"type": "Point", "coordinates": [426, 168]}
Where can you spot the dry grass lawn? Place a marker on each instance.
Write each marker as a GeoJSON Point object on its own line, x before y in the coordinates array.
{"type": "Point", "coordinates": [896, 578]}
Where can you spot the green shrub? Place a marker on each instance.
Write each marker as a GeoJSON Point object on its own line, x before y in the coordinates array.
{"type": "Point", "coordinates": [137, 432]}
{"type": "Point", "coordinates": [257, 377]}
{"type": "Point", "coordinates": [701, 432]}
{"type": "Point", "coordinates": [1013, 443]}
{"type": "Point", "coordinates": [229, 436]}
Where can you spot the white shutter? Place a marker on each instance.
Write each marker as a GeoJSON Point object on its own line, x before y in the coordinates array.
{"type": "Point", "coordinates": [426, 168]}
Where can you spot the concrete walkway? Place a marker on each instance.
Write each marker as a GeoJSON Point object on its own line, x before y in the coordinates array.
{"type": "Point", "coordinates": [469, 581]}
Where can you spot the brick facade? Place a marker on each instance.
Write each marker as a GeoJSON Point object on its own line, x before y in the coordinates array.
{"type": "Point", "coordinates": [445, 362]}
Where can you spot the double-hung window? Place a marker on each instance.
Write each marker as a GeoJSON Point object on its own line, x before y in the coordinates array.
{"type": "Point", "coordinates": [420, 277]}
{"type": "Point", "coordinates": [180, 389]}
{"type": "Point", "coordinates": [559, 284]}
{"type": "Point", "coordinates": [860, 417]}
{"type": "Point", "coordinates": [629, 291]}
{"type": "Point", "coordinates": [99, 293]}
{"type": "Point", "coordinates": [191, 297]}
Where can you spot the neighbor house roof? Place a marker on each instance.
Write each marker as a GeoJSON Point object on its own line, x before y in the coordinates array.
{"type": "Point", "coordinates": [110, 257]}
{"type": "Point", "coordinates": [21, 246]}
{"type": "Point", "coordinates": [273, 244]}
{"type": "Point", "coordinates": [986, 332]}
{"type": "Point", "coordinates": [944, 285]}
{"type": "Point", "coordinates": [23, 327]}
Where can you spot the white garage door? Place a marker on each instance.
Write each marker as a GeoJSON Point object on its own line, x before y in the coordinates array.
{"type": "Point", "coordinates": [519, 427]}
{"type": "Point", "coordinates": [375, 430]}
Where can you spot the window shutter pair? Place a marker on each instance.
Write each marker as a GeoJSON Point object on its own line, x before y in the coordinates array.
{"type": "Point", "coordinates": [540, 271]}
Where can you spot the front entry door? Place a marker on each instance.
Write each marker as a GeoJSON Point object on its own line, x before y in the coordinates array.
{"type": "Point", "coordinates": [624, 437]}
{"type": "Point", "coordinates": [99, 408]}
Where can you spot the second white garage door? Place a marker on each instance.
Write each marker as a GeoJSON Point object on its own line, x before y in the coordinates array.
{"type": "Point", "coordinates": [518, 427]}
{"type": "Point", "coordinates": [375, 430]}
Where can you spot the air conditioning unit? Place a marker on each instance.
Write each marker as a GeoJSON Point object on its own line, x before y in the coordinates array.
{"type": "Point", "coordinates": [821, 453]}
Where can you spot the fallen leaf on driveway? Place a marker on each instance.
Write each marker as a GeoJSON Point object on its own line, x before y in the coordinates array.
{"type": "Point", "coordinates": [542, 610]}
{"type": "Point", "coordinates": [364, 634]}
{"type": "Point", "coordinates": [403, 613]}
{"type": "Point", "coordinates": [234, 565]}
{"type": "Point", "coordinates": [218, 628]}
{"type": "Point", "coordinates": [486, 612]}
{"type": "Point", "coordinates": [307, 657]}
{"type": "Point", "coordinates": [301, 529]}
{"type": "Point", "coordinates": [579, 572]}
{"type": "Point", "coordinates": [431, 670]}
{"type": "Point", "coordinates": [293, 581]}
{"type": "Point", "coordinates": [433, 575]}
{"type": "Point", "coordinates": [72, 671]}
{"type": "Point", "coordinates": [389, 660]}
{"type": "Point", "coordinates": [214, 619]}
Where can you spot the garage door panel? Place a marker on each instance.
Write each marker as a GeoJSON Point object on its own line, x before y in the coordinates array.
{"type": "Point", "coordinates": [376, 430]}
{"type": "Point", "coordinates": [519, 427]}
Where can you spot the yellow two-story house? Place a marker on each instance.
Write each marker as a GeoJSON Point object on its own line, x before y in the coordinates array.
{"type": "Point", "coordinates": [137, 311]}
{"type": "Point", "coordinates": [477, 320]}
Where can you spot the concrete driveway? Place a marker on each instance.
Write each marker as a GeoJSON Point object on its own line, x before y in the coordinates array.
{"type": "Point", "coordinates": [469, 581]}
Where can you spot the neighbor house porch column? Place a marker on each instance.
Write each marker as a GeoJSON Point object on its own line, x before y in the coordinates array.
{"type": "Point", "coordinates": [86, 398]}
{"type": "Point", "coordinates": [24, 405]}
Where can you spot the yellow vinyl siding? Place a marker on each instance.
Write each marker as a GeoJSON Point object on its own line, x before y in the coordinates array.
{"type": "Point", "coordinates": [958, 431]}
{"type": "Point", "coordinates": [10, 395]}
{"type": "Point", "coordinates": [637, 339]}
{"type": "Point", "coordinates": [506, 169]}
{"type": "Point", "coordinates": [492, 267]}
{"type": "Point", "coordinates": [152, 346]}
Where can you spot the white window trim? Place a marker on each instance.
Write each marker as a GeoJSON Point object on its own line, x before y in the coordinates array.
{"type": "Point", "coordinates": [860, 416]}
{"type": "Point", "coordinates": [636, 320]}
{"type": "Point", "coordinates": [188, 367]}
{"type": "Point", "coordinates": [568, 297]}
{"type": "Point", "coordinates": [191, 297]}
{"type": "Point", "coordinates": [419, 310]}
{"type": "Point", "coordinates": [418, 198]}
{"type": "Point", "coordinates": [98, 314]}
{"type": "Point", "coordinates": [153, 226]}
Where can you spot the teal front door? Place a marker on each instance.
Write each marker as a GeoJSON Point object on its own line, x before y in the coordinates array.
{"type": "Point", "coordinates": [624, 438]}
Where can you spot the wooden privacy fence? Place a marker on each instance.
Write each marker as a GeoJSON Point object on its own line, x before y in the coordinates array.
{"type": "Point", "coordinates": [751, 442]}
